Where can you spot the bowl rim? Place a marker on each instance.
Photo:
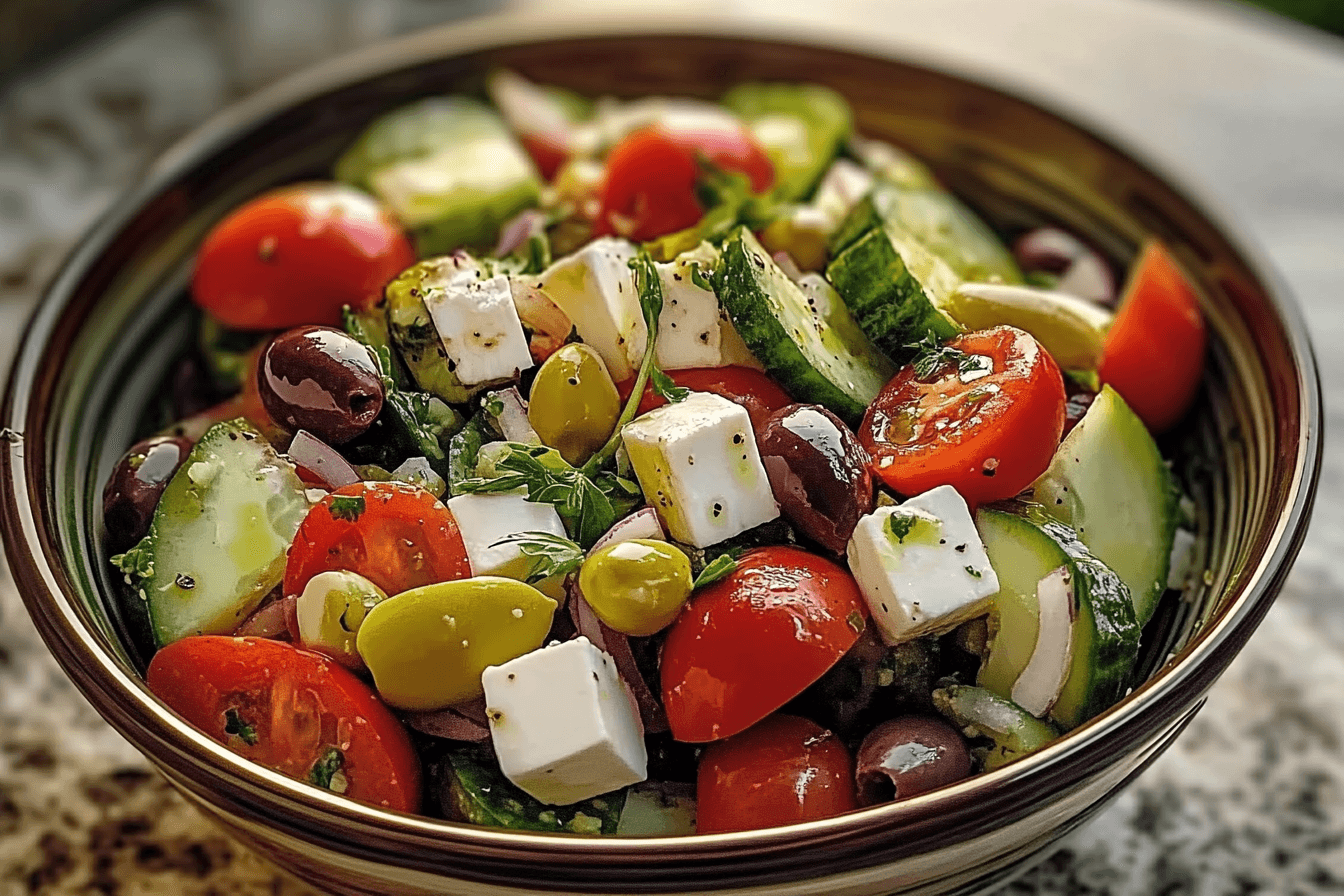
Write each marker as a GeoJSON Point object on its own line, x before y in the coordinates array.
{"type": "Point", "coordinates": [49, 594]}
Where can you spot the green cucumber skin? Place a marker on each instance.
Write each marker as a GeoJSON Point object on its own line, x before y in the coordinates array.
{"type": "Point", "coordinates": [759, 297]}
{"type": "Point", "coordinates": [864, 217]}
{"type": "Point", "coordinates": [945, 226]}
{"type": "Point", "coordinates": [478, 793]}
{"type": "Point", "coordinates": [885, 298]}
{"type": "Point", "coordinates": [1102, 670]}
{"type": "Point", "coordinates": [981, 713]}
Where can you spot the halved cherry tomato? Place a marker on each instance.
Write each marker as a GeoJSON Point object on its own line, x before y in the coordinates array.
{"type": "Point", "coordinates": [988, 430]}
{"type": "Point", "coordinates": [296, 255]}
{"type": "Point", "coordinates": [755, 391]}
{"type": "Point", "coordinates": [782, 771]}
{"type": "Point", "coordinates": [746, 645]}
{"type": "Point", "coordinates": [547, 152]}
{"type": "Point", "coordinates": [396, 535]}
{"type": "Point", "coordinates": [1154, 351]}
{"type": "Point", "coordinates": [293, 711]}
{"type": "Point", "coordinates": [648, 189]}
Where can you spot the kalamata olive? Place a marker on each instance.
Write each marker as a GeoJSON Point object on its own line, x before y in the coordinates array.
{"type": "Point", "coordinates": [818, 471]}
{"type": "Point", "coordinates": [1076, 403]}
{"type": "Point", "coordinates": [137, 481]}
{"type": "Point", "coordinates": [1081, 271]}
{"type": "Point", "coordinates": [321, 380]}
{"type": "Point", "coordinates": [907, 756]}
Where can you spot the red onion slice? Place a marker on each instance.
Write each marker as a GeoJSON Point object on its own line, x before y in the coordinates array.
{"type": "Point", "coordinates": [270, 620]}
{"type": "Point", "coordinates": [518, 230]}
{"type": "Point", "coordinates": [643, 523]}
{"type": "Point", "coordinates": [788, 266]}
{"type": "Point", "coordinates": [449, 724]}
{"type": "Point", "coordinates": [617, 646]}
{"type": "Point", "coordinates": [322, 461]}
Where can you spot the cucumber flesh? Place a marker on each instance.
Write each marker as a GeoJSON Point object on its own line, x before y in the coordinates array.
{"type": "Point", "coordinates": [806, 339]}
{"type": "Point", "coordinates": [941, 223]}
{"type": "Point", "coordinates": [1108, 482]}
{"type": "Point", "coordinates": [475, 791]}
{"type": "Point", "coordinates": [218, 539]}
{"type": "Point", "coordinates": [1105, 635]}
{"type": "Point", "coordinates": [1014, 732]}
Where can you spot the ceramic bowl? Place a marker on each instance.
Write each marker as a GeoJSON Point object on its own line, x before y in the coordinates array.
{"type": "Point", "coordinates": [115, 318]}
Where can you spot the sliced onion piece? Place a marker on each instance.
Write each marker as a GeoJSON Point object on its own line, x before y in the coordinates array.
{"type": "Point", "coordinates": [519, 229]}
{"type": "Point", "coordinates": [450, 724]}
{"type": "Point", "coordinates": [1040, 683]}
{"type": "Point", "coordinates": [324, 462]}
{"type": "Point", "coordinates": [512, 417]}
{"type": "Point", "coordinates": [549, 326]}
{"type": "Point", "coordinates": [643, 523]}
{"type": "Point", "coordinates": [270, 620]}
{"type": "Point", "coordinates": [617, 646]}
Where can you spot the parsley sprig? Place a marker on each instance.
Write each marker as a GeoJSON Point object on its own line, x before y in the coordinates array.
{"type": "Point", "coordinates": [717, 569]}
{"type": "Point", "coordinates": [931, 357]}
{"type": "Point", "coordinates": [548, 554]}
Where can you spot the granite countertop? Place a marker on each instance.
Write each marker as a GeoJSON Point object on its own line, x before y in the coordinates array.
{"type": "Point", "coordinates": [1249, 800]}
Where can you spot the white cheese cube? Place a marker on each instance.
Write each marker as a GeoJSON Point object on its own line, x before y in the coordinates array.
{"type": "Point", "coordinates": [477, 323]}
{"type": "Point", "coordinates": [697, 463]}
{"type": "Point", "coordinates": [563, 724]}
{"type": "Point", "coordinates": [596, 288]}
{"type": "Point", "coordinates": [485, 519]}
{"type": "Point", "coordinates": [688, 327]}
{"type": "Point", "coordinates": [921, 566]}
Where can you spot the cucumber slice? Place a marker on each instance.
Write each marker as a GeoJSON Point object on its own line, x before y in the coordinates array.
{"type": "Point", "coordinates": [894, 288]}
{"type": "Point", "coordinates": [980, 713]}
{"type": "Point", "coordinates": [1105, 635]}
{"type": "Point", "coordinates": [942, 224]}
{"type": "Point", "coordinates": [800, 126]}
{"type": "Point", "coordinates": [218, 539]}
{"type": "Point", "coordinates": [807, 341]}
{"type": "Point", "coordinates": [475, 791]}
{"type": "Point", "coordinates": [1108, 481]}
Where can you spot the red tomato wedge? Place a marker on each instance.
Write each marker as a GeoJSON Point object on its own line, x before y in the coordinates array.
{"type": "Point", "coordinates": [398, 536]}
{"type": "Point", "coordinates": [1154, 351]}
{"type": "Point", "coordinates": [293, 711]}
{"type": "Point", "coordinates": [746, 645]}
{"type": "Point", "coordinates": [783, 771]}
{"type": "Point", "coordinates": [755, 391]}
{"type": "Point", "coordinates": [296, 255]}
{"type": "Point", "coordinates": [986, 420]}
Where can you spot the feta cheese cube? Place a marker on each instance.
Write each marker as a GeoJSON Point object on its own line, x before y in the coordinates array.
{"type": "Point", "coordinates": [688, 327]}
{"type": "Point", "coordinates": [697, 462]}
{"type": "Point", "coordinates": [477, 323]}
{"type": "Point", "coordinates": [564, 726]}
{"type": "Point", "coordinates": [596, 288]}
{"type": "Point", "coordinates": [485, 519]}
{"type": "Point", "coordinates": [921, 566]}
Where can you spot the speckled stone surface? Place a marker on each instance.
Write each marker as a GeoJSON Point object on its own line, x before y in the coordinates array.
{"type": "Point", "coordinates": [1250, 799]}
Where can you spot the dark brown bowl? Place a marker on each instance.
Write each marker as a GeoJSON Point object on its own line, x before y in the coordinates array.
{"type": "Point", "coordinates": [112, 321]}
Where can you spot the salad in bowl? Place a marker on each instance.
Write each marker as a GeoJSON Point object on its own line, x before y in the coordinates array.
{"type": "Point", "coordinates": [651, 467]}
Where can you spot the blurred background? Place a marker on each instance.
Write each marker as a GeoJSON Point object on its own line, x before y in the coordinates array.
{"type": "Point", "coordinates": [1238, 98]}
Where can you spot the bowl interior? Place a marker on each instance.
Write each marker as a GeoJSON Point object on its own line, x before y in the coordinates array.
{"type": "Point", "coordinates": [117, 319]}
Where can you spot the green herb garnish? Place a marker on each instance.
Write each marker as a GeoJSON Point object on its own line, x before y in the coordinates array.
{"type": "Point", "coordinates": [326, 771]}
{"type": "Point", "coordinates": [549, 555]}
{"type": "Point", "coordinates": [900, 525]}
{"type": "Point", "coordinates": [717, 569]}
{"type": "Point", "coordinates": [974, 573]}
{"type": "Point", "coordinates": [235, 724]}
{"type": "Point", "coordinates": [346, 507]}
{"type": "Point", "coordinates": [138, 561]}
{"type": "Point", "coordinates": [932, 357]}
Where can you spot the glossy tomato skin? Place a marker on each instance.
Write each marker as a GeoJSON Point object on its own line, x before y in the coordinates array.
{"type": "Point", "coordinates": [1154, 351]}
{"type": "Point", "coordinates": [287, 708]}
{"type": "Point", "coordinates": [755, 391]}
{"type": "Point", "coordinates": [746, 645]}
{"type": "Point", "coordinates": [398, 536]}
{"type": "Point", "coordinates": [988, 436]}
{"type": "Point", "coordinates": [781, 771]}
{"type": "Point", "coordinates": [296, 255]}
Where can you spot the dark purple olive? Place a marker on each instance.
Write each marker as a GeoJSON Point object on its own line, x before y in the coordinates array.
{"type": "Point", "coordinates": [132, 491]}
{"type": "Point", "coordinates": [907, 756]}
{"type": "Point", "coordinates": [1081, 271]}
{"type": "Point", "coordinates": [1076, 404]}
{"type": "Point", "coordinates": [818, 472]}
{"type": "Point", "coordinates": [321, 380]}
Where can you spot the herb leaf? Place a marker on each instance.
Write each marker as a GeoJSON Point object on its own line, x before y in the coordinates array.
{"type": "Point", "coordinates": [931, 357]}
{"type": "Point", "coordinates": [550, 555]}
{"type": "Point", "coordinates": [664, 386]}
{"type": "Point", "coordinates": [138, 562]}
{"type": "Point", "coordinates": [346, 507]}
{"type": "Point", "coordinates": [717, 569]}
{"type": "Point", "coordinates": [236, 725]}
{"type": "Point", "coordinates": [900, 525]}
{"type": "Point", "coordinates": [326, 771]}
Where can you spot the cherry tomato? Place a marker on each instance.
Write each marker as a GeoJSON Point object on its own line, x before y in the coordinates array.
{"type": "Point", "coordinates": [296, 255]}
{"type": "Point", "coordinates": [396, 535]}
{"type": "Point", "coordinates": [547, 152]}
{"type": "Point", "coordinates": [782, 771]}
{"type": "Point", "coordinates": [729, 149]}
{"type": "Point", "coordinates": [988, 431]}
{"type": "Point", "coordinates": [293, 711]}
{"type": "Point", "coordinates": [750, 388]}
{"type": "Point", "coordinates": [1154, 351]}
{"type": "Point", "coordinates": [746, 645]}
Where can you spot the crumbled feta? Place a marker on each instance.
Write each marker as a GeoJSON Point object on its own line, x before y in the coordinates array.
{"type": "Point", "coordinates": [697, 463]}
{"type": "Point", "coordinates": [477, 323]}
{"type": "Point", "coordinates": [563, 723]}
{"type": "Point", "coordinates": [921, 565]}
{"type": "Point", "coordinates": [596, 288]}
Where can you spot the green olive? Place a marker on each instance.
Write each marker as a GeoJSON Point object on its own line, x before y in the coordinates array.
{"type": "Point", "coordinates": [427, 647]}
{"type": "Point", "coordinates": [637, 587]}
{"type": "Point", "coordinates": [574, 404]}
{"type": "Point", "coordinates": [330, 611]}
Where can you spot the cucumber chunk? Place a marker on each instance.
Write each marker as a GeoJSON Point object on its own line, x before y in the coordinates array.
{"type": "Point", "coordinates": [475, 791]}
{"type": "Point", "coordinates": [1105, 635]}
{"type": "Point", "coordinates": [801, 127]}
{"type": "Point", "coordinates": [1108, 481]}
{"type": "Point", "coordinates": [944, 225]}
{"type": "Point", "coordinates": [1013, 731]}
{"type": "Point", "coordinates": [218, 539]}
{"type": "Point", "coordinates": [807, 340]}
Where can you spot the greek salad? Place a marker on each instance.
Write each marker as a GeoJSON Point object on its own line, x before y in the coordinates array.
{"type": "Point", "coordinates": [651, 467]}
